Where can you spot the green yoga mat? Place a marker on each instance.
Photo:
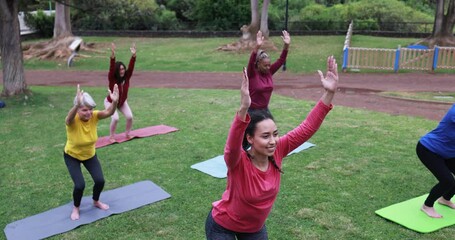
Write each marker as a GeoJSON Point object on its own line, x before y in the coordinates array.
{"type": "Point", "coordinates": [409, 215]}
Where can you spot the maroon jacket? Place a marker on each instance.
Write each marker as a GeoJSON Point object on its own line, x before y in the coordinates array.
{"type": "Point", "coordinates": [122, 88]}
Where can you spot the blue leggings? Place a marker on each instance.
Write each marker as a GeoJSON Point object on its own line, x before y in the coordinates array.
{"type": "Point", "coordinates": [93, 167]}
{"type": "Point", "coordinates": [213, 231]}
{"type": "Point", "coordinates": [442, 169]}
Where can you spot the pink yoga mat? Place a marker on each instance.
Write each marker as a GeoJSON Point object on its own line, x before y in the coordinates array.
{"type": "Point", "coordinates": [137, 133]}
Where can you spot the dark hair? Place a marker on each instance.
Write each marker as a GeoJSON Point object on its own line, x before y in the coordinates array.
{"type": "Point", "coordinates": [117, 72]}
{"type": "Point", "coordinates": [257, 116]}
{"type": "Point", "coordinates": [261, 54]}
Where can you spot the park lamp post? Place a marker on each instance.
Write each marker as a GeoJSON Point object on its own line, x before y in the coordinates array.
{"type": "Point", "coordinates": [285, 28]}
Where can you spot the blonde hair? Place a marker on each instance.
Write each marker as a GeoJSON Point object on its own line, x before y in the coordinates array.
{"type": "Point", "coordinates": [87, 100]}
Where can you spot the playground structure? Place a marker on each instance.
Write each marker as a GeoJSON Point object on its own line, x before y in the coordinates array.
{"type": "Point", "coordinates": [415, 57]}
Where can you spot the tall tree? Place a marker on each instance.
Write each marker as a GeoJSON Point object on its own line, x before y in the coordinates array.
{"type": "Point", "coordinates": [62, 22]}
{"type": "Point", "coordinates": [444, 22]}
{"type": "Point", "coordinates": [265, 18]}
{"type": "Point", "coordinates": [11, 52]}
{"type": "Point", "coordinates": [258, 22]}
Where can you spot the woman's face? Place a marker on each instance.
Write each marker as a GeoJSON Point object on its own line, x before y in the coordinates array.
{"type": "Point", "coordinates": [265, 138]}
{"type": "Point", "coordinates": [264, 65]}
{"type": "Point", "coordinates": [121, 71]}
{"type": "Point", "coordinates": [85, 113]}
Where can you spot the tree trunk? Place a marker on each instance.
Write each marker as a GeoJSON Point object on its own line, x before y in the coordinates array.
{"type": "Point", "coordinates": [265, 19]}
{"type": "Point", "coordinates": [248, 39]}
{"type": "Point", "coordinates": [249, 32]}
{"type": "Point", "coordinates": [62, 22]}
{"type": "Point", "coordinates": [12, 61]}
{"type": "Point", "coordinates": [442, 34]}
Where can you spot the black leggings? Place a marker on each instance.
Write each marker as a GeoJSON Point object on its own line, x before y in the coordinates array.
{"type": "Point", "coordinates": [214, 231]}
{"type": "Point", "coordinates": [94, 168]}
{"type": "Point", "coordinates": [442, 169]}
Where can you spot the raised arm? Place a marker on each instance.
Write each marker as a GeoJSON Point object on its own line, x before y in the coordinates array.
{"type": "Point", "coordinates": [245, 99]}
{"type": "Point", "coordinates": [330, 81]}
{"type": "Point", "coordinates": [111, 74]}
{"type": "Point", "coordinates": [72, 113]}
{"type": "Point", "coordinates": [111, 109]}
{"type": "Point", "coordinates": [316, 116]}
{"type": "Point", "coordinates": [286, 39]}
{"type": "Point", "coordinates": [133, 50]}
{"type": "Point", "coordinates": [259, 41]}
{"type": "Point", "coordinates": [130, 69]}
{"type": "Point", "coordinates": [113, 50]}
{"type": "Point", "coordinates": [233, 147]}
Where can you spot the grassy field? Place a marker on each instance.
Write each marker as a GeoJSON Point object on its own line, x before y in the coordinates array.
{"type": "Point", "coordinates": [307, 53]}
{"type": "Point", "coordinates": [363, 161]}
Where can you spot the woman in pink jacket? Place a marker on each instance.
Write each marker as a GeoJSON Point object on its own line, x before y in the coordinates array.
{"type": "Point", "coordinates": [253, 178]}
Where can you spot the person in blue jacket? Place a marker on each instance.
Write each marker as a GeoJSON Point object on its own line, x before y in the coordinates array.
{"type": "Point", "coordinates": [436, 150]}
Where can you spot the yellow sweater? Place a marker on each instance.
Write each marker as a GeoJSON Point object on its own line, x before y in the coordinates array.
{"type": "Point", "coordinates": [81, 137]}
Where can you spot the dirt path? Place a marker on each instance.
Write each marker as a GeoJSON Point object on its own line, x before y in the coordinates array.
{"type": "Point", "coordinates": [356, 90]}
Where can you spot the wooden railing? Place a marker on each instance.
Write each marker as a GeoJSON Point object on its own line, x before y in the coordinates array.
{"type": "Point", "coordinates": [410, 58]}
{"type": "Point", "coordinates": [445, 58]}
{"type": "Point", "coordinates": [369, 58]}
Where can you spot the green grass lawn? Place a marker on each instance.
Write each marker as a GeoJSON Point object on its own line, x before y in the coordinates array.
{"type": "Point", "coordinates": [363, 161]}
{"type": "Point", "coordinates": [306, 55]}
{"type": "Point", "coordinates": [446, 97]}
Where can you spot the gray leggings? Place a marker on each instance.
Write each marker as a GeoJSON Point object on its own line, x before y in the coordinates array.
{"type": "Point", "coordinates": [214, 231]}
{"type": "Point", "coordinates": [93, 167]}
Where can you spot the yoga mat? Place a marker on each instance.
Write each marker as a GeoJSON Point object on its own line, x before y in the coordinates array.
{"type": "Point", "coordinates": [216, 167]}
{"type": "Point", "coordinates": [409, 215]}
{"type": "Point", "coordinates": [137, 133]}
{"type": "Point", "coordinates": [57, 220]}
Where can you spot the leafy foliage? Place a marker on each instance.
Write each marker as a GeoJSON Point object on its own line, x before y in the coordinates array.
{"type": "Point", "coordinates": [386, 15]}
{"type": "Point", "coordinates": [122, 15]}
{"type": "Point", "coordinates": [41, 22]}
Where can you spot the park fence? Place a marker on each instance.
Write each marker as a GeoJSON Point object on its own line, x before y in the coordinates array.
{"type": "Point", "coordinates": [408, 58]}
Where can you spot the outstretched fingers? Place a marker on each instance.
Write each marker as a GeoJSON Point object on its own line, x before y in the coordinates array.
{"type": "Point", "coordinates": [114, 94]}
{"type": "Point", "coordinates": [286, 37]}
{"type": "Point", "coordinates": [133, 48]}
{"type": "Point", "coordinates": [259, 39]}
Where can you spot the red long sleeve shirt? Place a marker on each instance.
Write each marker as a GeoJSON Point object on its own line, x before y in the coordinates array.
{"type": "Point", "coordinates": [250, 193]}
{"type": "Point", "coordinates": [122, 88]}
{"type": "Point", "coordinates": [261, 85]}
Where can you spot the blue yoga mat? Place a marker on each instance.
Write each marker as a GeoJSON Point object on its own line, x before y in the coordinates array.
{"type": "Point", "coordinates": [57, 220]}
{"type": "Point", "coordinates": [216, 167]}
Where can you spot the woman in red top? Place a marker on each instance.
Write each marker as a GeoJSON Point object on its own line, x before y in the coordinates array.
{"type": "Point", "coordinates": [260, 72]}
{"type": "Point", "coordinates": [253, 178]}
{"type": "Point", "coordinates": [120, 75]}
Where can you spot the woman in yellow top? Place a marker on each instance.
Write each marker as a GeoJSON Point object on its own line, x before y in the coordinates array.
{"type": "Point", "coordinates": [81, 136]}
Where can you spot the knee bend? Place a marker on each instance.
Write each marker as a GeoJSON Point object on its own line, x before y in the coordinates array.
{"type": "Point", "coordinates": [79, 187]}
{"type": "Point", "coordinates": [99, 181]}
{"type": "Point", "coordinates": [448, 182]}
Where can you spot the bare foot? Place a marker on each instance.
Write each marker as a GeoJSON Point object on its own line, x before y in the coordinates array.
{"type": "Point", "coordinates": [112, 139]}
{"type": "Point", "coordinates": [101, 205]}
{"type": "Point", "coordinates": [75, 213]}
{"type": "Point", "coordinates": [128, 136]}
{"type": "Point", "coordinates": [447, 203]}
{"type": "Point", "coordinates": [430, 211]}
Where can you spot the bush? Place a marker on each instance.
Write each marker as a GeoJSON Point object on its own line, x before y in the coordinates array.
{"type": "Point", "coordinates": [385, 15]}
{"type": "Point", "coordinates": [41, 22]}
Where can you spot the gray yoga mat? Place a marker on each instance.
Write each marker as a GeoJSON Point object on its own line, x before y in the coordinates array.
{"type": "Point", "coordinates": [57, 220]}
